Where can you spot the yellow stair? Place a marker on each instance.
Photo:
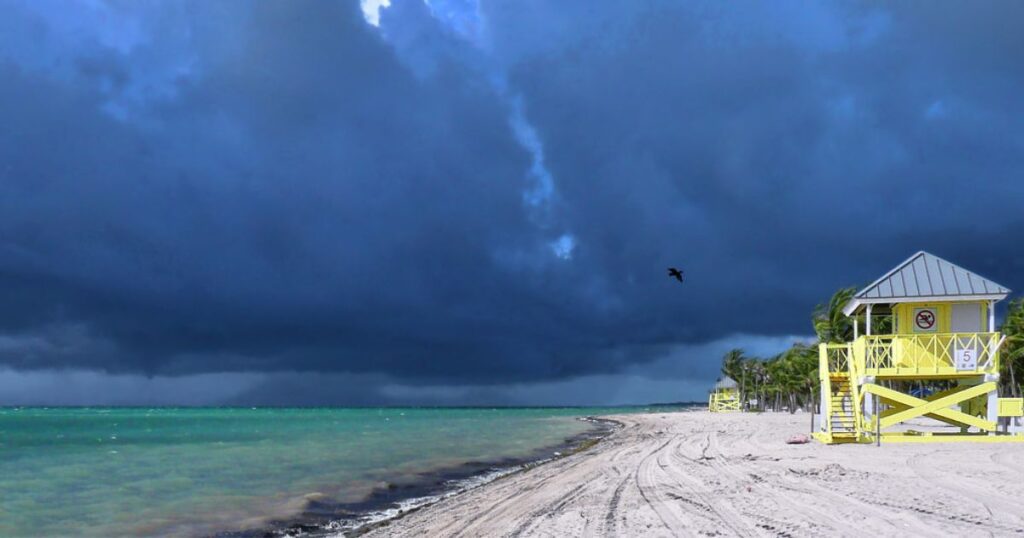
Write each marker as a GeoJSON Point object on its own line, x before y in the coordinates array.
{"type": "Point", "coordinates": [842, 419]}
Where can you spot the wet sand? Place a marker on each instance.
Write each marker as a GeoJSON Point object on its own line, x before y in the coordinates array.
{"type": "Point", "coordinates": [318, 515]}
{"type": "Point", "coordinates": [703, 474]}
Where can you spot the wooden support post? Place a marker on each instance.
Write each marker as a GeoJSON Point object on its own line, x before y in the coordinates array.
{"type": "Point", "coordinates": [810, 407]}
{"type": "Point", "coordinates": [878, 423]}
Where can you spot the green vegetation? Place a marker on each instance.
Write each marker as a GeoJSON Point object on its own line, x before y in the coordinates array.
{"type": "Point", "coordinates": [1012, 353]}
{"type": "Point", "coordinates": [830, 324]}
{"type": "Point", "coordinates": [788, 380]}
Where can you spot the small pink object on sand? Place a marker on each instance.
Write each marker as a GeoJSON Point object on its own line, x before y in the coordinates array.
{"type": "Point", "coordinates": [798, 439]}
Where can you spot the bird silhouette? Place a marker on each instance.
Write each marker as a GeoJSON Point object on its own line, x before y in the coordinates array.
{"type": "Point", "coordinates": [673, 272]}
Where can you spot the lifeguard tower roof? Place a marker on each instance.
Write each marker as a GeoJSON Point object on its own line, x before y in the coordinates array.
{"type": "Point", "coordinates": [726, 383]}
{"type": "Point", "coordinates": [926, 277]}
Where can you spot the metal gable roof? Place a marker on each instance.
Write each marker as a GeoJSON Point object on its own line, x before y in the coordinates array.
{"type": "Point", "coordinates": [927, 277]}
{"type": "Point", "coordinates": [726, 383]}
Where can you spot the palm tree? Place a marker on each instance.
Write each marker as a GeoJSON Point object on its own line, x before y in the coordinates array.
{"type": "Point", "coordinates": [755, 375]}
{"type": "Point", "coordinates": [1013, 348]}
{"type": "Point", "coordinates": [830, 324]}
{"type": "Point", "coordinates": [733, 367]}
{"type": "Point", "coordinates": [804, 366]}
{"type": "Point", "coordinates": [732, 363]}
{"type": "Point", "coordinates": [777, 382]}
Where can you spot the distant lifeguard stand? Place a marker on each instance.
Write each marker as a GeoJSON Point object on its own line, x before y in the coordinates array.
{"type": "Point", "coordinates": [725, 396]}
{"type": "Point", "coordinates": [941, 361]}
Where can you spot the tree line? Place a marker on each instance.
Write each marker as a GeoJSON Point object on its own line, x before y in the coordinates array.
{"type": "Point", "coordinates": [789, 380]}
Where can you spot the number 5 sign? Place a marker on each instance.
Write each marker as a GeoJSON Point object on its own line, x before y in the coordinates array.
{"type": "Point", "coordinates": [966, 359]}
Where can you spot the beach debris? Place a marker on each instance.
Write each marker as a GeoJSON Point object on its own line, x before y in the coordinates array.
{"type": "Point", "coordinates": [676, 273]}
{"type": "Point", "coordinates": [798, 439]}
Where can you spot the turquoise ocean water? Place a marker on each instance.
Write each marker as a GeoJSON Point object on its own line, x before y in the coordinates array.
{"type": "Point", "coordinates": [197, 471]}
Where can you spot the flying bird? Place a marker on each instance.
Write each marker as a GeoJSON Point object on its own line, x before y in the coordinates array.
{"type": "Point", "coordinates": [673, 272]}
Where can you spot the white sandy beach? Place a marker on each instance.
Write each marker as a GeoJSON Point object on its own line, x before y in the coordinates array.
{"type": "Point", "coordinates": [702, 474]}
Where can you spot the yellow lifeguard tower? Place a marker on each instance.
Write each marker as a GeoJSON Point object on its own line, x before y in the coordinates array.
{"type": "Point", "coordinates": [940, 361]}
{"type": "Point", "coordinates": [725, 396]}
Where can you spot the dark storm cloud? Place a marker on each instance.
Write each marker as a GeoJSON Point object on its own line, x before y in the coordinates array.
{"type": "Point", "coordinates": [263, 186]}
{"type": "Point", "coordinates": [779, 152]}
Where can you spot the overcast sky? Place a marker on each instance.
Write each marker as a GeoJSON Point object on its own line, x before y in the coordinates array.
{"type": "Point", "coordinates": [474, 201]}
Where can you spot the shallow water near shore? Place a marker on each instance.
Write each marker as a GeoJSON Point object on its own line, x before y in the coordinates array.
{"type": "Point", "coordinates": [203, 471]}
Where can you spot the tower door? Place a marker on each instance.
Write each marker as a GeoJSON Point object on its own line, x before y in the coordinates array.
{"type": "Point", "coordinates": [966, 318]}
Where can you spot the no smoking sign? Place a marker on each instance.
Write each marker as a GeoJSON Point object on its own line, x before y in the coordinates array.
{"type": "Point", "coordinates": [924, 320]}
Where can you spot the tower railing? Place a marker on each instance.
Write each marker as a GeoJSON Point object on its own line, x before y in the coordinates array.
{"type": "Point", "coordinates": [930, 354]}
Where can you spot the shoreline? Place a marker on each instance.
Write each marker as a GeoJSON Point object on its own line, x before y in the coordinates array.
{"type": "Point", "coordinates": [698, 473]}
{"type": "Point", "coordinates": [574, 445]}
{"type": "Point", "coordinates": [321, 516]}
